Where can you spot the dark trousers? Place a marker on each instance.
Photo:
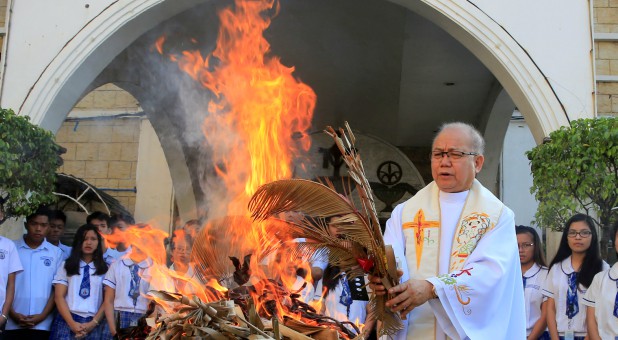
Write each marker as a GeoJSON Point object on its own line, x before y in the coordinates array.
{"type": "Point", "coordinates": [23, 334]}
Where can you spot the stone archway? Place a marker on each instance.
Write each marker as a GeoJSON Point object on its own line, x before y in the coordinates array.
{"type": "Point", "coordinates": [95, 46]}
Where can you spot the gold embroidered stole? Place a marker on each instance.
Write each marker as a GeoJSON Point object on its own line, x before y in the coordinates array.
{"type": "Point", "coordinates": [421, 228]}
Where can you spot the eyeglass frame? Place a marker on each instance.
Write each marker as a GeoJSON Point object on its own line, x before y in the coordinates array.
{"type": "Point", "coordinates": [449, 154]}
{"type": "Point", "coordinates": [573, 233]}
{"type": "Point", "coordinates": [525, 245]}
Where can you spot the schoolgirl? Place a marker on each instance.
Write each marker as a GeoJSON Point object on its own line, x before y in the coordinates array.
{"type": "Point", "coordinates": [534, 272]}
{"type": "Point", "coordinates": [78, 287]}
{"type": "Point", "coordinates": [602, 301]}
{"type": "Point", "coordinates": [343, 298]}
{"type": "Point", "coordinates": [129, 279]}
{"type": "Point", "coordinates": [570, 274]}
{"type": "Point", "coordinates": [181, 245]}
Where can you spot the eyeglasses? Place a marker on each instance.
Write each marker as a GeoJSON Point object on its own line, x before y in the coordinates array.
{"type": "Point", "coordinates": [582, 234]}
{"type": "Point", "coordinates": [451, 154]}
{"type": "Point", "coordinates": [525, 245]}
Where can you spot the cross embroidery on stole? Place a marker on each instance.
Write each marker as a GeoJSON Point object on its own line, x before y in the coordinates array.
{"type": "Point", "coordinates": [420, 224]}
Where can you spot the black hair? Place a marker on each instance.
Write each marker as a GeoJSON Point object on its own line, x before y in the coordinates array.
{"type": "Point", "coordinates": [615, 230]}
{"type": "Point", "coordinates": [57, 215]}
{"type": "Point", "coordinates": [592, 261]}
{"type": "Point", "coordinates": [538, 257]}
{"type": "Point", "coordinates": [97, 215]}
{"type": "Point", "coordinates": [72, 263]}
{"type": "Point", "coordinates": [128, 219]}
{"type": "Point", "coordinates": [41, 211]}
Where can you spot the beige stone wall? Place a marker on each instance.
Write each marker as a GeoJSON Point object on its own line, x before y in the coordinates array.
{"type": "Point", "coordinates": [3, 4]}
{"type": "Point", "coordinates": [102, 149]}
{"type": "Point", "coordinates": [606, 55]}
{"type": "Point", "coordinates": [104, 153]}
{"type": "Point", "coordinates": [106, 99]}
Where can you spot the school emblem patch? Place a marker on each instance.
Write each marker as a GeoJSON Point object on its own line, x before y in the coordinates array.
{"type": "Point", "coordinates": [2, 254]}
{"type": "Point", "coordinates": [47, 262]}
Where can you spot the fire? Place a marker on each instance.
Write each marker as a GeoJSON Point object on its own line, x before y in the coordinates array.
{"type": "Point", "coordinates": [255, 127]}
{"type": "Point", "coordinates": [257, 101]}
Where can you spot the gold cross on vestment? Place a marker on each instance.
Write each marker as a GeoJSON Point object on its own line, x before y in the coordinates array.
{"type": "Point", "coordinates": [420, 224]}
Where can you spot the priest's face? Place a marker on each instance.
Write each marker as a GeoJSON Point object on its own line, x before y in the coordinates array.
{"type": "Point", "coordinates": [451, 172]}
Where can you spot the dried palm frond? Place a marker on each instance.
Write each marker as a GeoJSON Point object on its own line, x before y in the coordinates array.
{"type": "Point", "coordinates": [221, 240]}
{"type": "Point", "coordinates": [306, 205]}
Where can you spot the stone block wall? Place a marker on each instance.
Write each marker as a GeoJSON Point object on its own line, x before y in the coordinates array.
{"type": "Point", "coordinates": [102, 148]}
{"type": "Point", "coordinates": [3, 6]}
{"type": "Point", "coordinates": [605, 18]}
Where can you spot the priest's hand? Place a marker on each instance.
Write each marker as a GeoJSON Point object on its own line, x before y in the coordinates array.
{"type": "Point", "coordinates": [409, 295]}
{"type": "Point", "coordinates": [375, 283]}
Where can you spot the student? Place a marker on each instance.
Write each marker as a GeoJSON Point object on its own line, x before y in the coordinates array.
{"type": "Point", "coordinates": [31, 313]}
{"type": "Point", "coordinates": [129, 279]}
{"type": "Point", "coordinates": [181, 245]}
{"type": "Point", "coordinates": [119, 224]}
{"type": "Point", "coordinates": [602, 301]}
{"type": "Point", "coordinates": [10, 265]}
{"type": "Point", "coordinates": [78, 286]}
{"type": "Point", "coordinates": [57, 221]}
{"type": "Point", "coordinates": [101, 221]}
{"type": "Point", "coordinates": [344, 298]}
{"type": "Point", "coordinates": [570, 274]}
{"type": "Point", "coordinates": [534, 273]}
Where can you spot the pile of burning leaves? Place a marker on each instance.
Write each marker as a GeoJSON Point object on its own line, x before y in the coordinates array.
{"type": "Point", "coordinates": [236, 316]}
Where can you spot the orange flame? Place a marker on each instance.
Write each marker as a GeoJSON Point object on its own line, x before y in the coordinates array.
{"type": "Point", "coordinates": [257, 101]}
{"type": "Point", "coordinates": [258, 110]}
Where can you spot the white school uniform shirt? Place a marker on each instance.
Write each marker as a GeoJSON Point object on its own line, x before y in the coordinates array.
{"type": "Point", "coordinates": [601, 295]}
{"type": "Point", "coordinates": [336, 310]}
{"type": "Point", "coordinates": [189, 286]}
{"type": "Point", "coordinates": [66, 251]}
{"type": "Point", "coordinates": [307, 293]}
{"type": "Point", "coordinates": [533, 294]}
{"type": "Point", "coordinates": [118, 277]}
{"type": "Point", "coordinates": [78, 305]}
{"type": "Point", "coordinates": [33, 285]}
{"type": "Point", "coordinates": [9, 263]}
{"type": "Point", "coordinates": [556, 286]}
{"type": "Point", "coordinates": [111, 255]}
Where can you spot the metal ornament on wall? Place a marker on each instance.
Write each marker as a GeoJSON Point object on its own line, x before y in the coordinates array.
{"type": "Point", "coordinates": [332, 156]}
{"type": "Point", "coordinates": [323, 161]}
{"type": "Point", "coordinates": [390, 190]}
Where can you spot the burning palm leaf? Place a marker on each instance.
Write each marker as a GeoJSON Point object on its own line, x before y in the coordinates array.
{"type": "Point", "coordinates": [306, 205]}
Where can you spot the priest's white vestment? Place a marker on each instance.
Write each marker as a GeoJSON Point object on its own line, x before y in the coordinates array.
{"type": "Point", "coordinates": [476, 272]}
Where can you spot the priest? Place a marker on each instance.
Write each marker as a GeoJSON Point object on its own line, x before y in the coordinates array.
{"type": "Point", "coordinates": [456, 246]}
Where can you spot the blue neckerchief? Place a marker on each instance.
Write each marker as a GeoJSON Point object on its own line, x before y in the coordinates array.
{"type": "Point", "coordinates": [616, 298]}
{"type": "Point", "coordinates": [346, 296]}
{"type": "Point", "coordinates": [572, 305]}
{"type": "Point", "coordinates": [135, 281]}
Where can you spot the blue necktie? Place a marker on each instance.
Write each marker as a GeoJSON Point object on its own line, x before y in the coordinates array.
{"type": "Point", "coordinates": [346, 295]}
{"type": "Point", "coordinates": [524, 278]}
{"type": "Point", "coordinates": [135, 280]}
{"type": "Point", "coordinates": [84, 288]}
{"type": "Point", "coordinates": [616, 301]}
{"type": "Point", "coordinates": [572, 307]}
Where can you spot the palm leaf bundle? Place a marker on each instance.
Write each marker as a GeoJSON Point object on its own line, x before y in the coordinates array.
{"type": "Point", "coordinates": [220, 246]}
{"type": "Point", "coordinates": [309, 207]}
